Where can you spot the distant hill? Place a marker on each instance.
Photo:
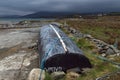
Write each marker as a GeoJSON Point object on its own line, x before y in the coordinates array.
{"type": "Point", "coordinates": [50, 14]}
{"type": "Point", "coordinates": [47, 14]}
{"type": "Point", "coordinates": [9, 16]}
{"type": "Point", "coordinates": [114, 14]}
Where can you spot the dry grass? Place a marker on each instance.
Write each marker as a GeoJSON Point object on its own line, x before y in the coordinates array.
{"type": "Point", "coordinates": [106, 28]}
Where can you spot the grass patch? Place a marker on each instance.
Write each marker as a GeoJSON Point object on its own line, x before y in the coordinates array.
{"type": "Point", "coordinates": [105, 28]}
{"type": "Point", "coordinates": [100, 67]}
{"type": "Point", "coordinates": [47, 76]}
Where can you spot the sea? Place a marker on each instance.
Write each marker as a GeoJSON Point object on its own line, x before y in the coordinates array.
{"type": "Point", "coordinates": [16, 20]}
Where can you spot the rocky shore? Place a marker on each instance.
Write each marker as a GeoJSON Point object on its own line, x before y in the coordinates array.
{"type": "Point", "coordinates": [18, 54]}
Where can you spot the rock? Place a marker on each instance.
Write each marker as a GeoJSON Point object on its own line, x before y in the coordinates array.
{"type": "Point", "coordinates": [110, 51]}
{"type": "Point", "coordinates": [56, 23]}
{"type": "Point", "coordinates": [79, 35]}
{"type": "Point", "coordinates": [32, 46]}
{"type": "Point", "coordinates": [102, 51]}
{"type": "Point", "coordinates": [73, 31]}
{"type": "Point", "coordinates": [88, 36]}
{"type": "Point", "coordinates": [118, 54]}
{"type": "Point", "coordinates": [115, 49]}
{"type": "Point", "coordinates": [74, 70]}
{"type": "Point", "coordinates": [26, 62]}
{"type": "Point", "coordinates": [12, 62]}
{"type": "Point", "coordinates": [13, 75]}
{"type": "Point", "coordinates": [72, 76]}
{"type": "Point", "coordinates": [104, 55]}
{"type": "Point", "coordinates": [86, 70]}
{"type": "Point", "coordinates": [57, 75]}
{"type": "Point", "coordinates": [35, 74]}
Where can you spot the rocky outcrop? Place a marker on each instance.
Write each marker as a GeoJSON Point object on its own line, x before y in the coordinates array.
{"type": "Point", "coordinates": [18, 55]}
{"type": "Point", "coordinates": [104, 48]}
{"type": "Point", "coordinates": [17, 66]}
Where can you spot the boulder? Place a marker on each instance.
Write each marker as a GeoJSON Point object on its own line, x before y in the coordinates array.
{"type": "Point", "coordinates": [35, 74]}
{"type": "Point", "coordinates": [77, 70]}
{"type": "Point", "coordinates": [88, 36]}
{"type": "Point", "coordinates": [57, 75]}
{"type": "Point", "coordinates": [72, 76]}
{"type": "Point", "coordinates": [110, 51]}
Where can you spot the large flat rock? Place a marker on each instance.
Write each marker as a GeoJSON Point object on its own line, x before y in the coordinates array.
{"type": "Point", "coordinates": [17, 53]}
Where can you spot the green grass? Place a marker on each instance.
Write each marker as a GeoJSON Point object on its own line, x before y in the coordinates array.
{"type": "Point", "coordinates": [100, 67]}
{"type": "Point", "coordinates": [103, 28]}
{"type": "Point", "coordinates": [47, 76]}
{"type": "Point", "coordinates": [105, 33]}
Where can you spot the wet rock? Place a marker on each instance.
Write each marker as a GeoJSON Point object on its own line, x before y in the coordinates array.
{"type": "Point", "coordinates": [57, 75]}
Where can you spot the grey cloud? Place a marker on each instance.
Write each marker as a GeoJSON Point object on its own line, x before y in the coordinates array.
{"type": "Point", "coordinates": [8, 11]}
{"type": "Point", "coordinates": [29, 6]}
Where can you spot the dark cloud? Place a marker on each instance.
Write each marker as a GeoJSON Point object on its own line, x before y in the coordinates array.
{"type": "Point", "coordinates": [22, 7]}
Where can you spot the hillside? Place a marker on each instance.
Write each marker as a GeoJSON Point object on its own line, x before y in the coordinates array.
{"type": "Point", "coordinates": [45, 14]}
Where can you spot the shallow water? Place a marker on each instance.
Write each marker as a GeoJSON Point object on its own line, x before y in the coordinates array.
{"type": "Point", "coordinates": [15, 20]}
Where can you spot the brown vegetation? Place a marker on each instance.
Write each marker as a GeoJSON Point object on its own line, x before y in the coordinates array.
{"type": "Point", "coordinates": [106, 28]}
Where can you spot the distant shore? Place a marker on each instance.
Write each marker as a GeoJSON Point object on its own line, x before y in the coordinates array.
{"type": "Point", "coordinates": [14, 20]}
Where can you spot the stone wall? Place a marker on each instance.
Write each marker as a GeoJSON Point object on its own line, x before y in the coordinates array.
{"type": "Point", "coordinates": [104, 48]}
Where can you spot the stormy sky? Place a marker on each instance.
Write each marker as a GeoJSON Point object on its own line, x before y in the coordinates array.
{"type": "Point", "coordinates": [23, 7]}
